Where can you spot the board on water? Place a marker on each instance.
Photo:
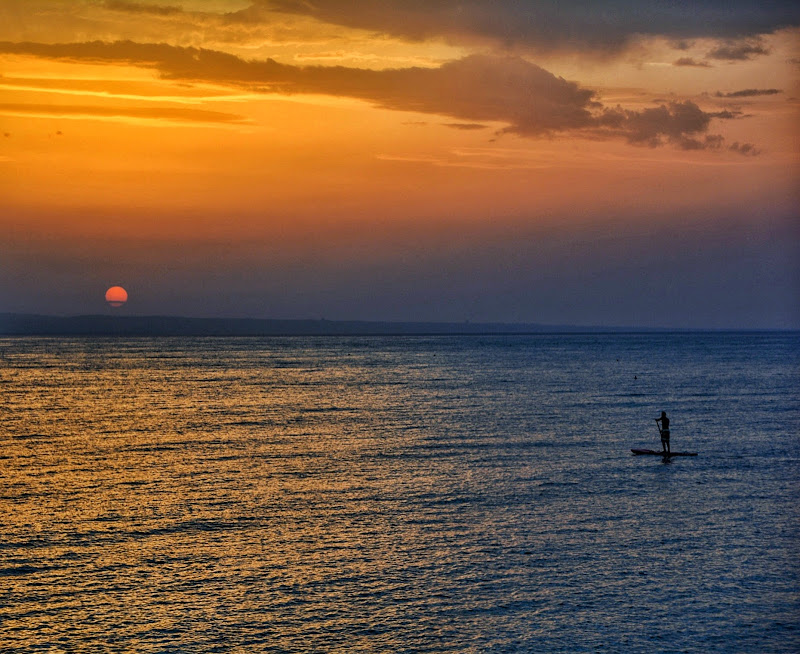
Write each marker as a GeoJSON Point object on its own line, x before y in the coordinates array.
{"type": "Point", "coordinates": [660, 453]}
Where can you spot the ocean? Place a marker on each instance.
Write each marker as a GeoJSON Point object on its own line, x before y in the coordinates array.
{"type": "Point", "coordinates": [400, 494]}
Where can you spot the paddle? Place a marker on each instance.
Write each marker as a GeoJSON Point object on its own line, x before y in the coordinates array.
{"type": "Point", "coordinates": [660, 433]}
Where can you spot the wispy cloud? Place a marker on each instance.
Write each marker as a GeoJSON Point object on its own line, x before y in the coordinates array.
{"type": "Point", "coordinates": [466, 126]}
{"type": "Point", "coordinates": [689, 61]}
{"type": "Point", "coordinates": [748, 93]}
{"type": "Point", "coordinates": [142, 8]}
{"type": "Point", "coordinates": [530, 100]}
{"type": "Point", "coordinates": [475, 159]}
{"type": "Point", "coordinates": [164, 114]}
{"type": "Point", "coordinates": [122, 90]}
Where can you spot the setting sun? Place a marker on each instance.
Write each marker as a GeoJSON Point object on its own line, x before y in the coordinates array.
{"type": "Point", "coordinates": [116, 296]}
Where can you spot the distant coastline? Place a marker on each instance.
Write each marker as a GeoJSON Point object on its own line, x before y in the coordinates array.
{"type": "Point", "coordinates": [15, 324]}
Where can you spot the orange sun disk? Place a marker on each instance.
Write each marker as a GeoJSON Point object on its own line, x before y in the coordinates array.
{"type": "Point", "coordinates": [116, 296]}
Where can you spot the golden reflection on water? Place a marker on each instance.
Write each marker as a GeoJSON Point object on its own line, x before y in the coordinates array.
{"type": "Point", "coordinates": [176, 495]}
{"type": "Point", "coordinates": [167, 494]}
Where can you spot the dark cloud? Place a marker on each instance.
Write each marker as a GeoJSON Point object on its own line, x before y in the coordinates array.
{"type": "Point", "coordinates": [677, 123]}
{"type": "Point", "coordinates": [681, 44]}
{"type": "Point", "coordinates": [747, 149]}
{"type": "Point", "coordinates": [748, 93]}
{"type": "Point", "coordinates": [688, 61]}
{"type": "Point", "coordinates": [483, 88]}
{"type": "Point", "coordinates": [476, 89]}
{"type": "Point", "coordinates": [552, 24]}
{"type": "Point", "coordinates": [741, 50]}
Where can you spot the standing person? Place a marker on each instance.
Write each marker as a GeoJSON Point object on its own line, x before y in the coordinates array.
{"type": "Point", "coordinates": [663, 427]}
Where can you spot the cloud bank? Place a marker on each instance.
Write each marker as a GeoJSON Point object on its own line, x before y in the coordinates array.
{"type": "Point", "coordinates": [608, 25]}
{"type": "Point", "coordinates": [528, 99]}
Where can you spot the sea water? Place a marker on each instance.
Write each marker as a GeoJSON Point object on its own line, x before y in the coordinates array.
{"type": "Point", "coordinates": [400, 494]}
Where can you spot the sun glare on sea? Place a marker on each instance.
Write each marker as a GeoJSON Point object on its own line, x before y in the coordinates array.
{"type": "Point", "coordinates": [116, 296]}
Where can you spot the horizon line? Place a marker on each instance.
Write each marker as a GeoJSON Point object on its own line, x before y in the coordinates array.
{"type": "Point", "coordinates": [101, 324]}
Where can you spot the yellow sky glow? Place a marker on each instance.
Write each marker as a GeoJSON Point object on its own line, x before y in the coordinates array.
{"type": "Point", "coordinates": [274, 124]}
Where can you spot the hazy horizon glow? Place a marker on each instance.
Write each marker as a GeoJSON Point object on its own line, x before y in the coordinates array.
{"type": "Point", "coordinates": [295, 160]}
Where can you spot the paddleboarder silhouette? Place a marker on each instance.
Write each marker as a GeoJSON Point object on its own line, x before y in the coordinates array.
{"type": "Point", "coordinates": [663, 427]}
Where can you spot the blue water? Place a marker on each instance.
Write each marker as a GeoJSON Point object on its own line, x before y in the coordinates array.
{"type": "Point", "coordinates": [407, 494]}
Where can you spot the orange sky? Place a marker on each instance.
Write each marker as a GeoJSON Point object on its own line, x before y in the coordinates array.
{"type": "Point", "coordinates": [250, 158]}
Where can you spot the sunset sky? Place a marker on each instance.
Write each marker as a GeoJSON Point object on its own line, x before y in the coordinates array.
{"type": "Point", "coordinates": [613, 162]}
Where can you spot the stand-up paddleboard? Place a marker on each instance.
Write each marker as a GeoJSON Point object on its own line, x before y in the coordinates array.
{"type": "Point", "coordinates": [660, 453]}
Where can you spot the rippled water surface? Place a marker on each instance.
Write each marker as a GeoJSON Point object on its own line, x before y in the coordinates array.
{"type": "Point", "coordinates": [408, 494]}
